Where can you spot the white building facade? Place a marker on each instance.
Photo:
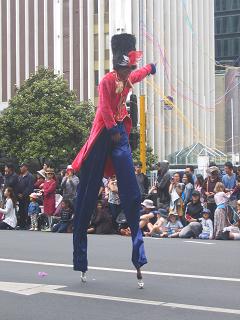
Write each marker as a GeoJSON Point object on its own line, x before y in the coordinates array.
{"type": "Point", "coordinates": [73, 38]}
{"type": "Point", "coordinates": [179, 36]}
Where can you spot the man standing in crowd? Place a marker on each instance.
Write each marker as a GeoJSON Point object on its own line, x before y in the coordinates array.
{"type": "Point", "coordinates": [229, 179]}
{"type": "Point", "coordinates": [142, 180]}
{"type": "Point", "coordinates": [190, 169]}
{"type": "Point", "coordinates": [25, 188]}
{"type": "Point", "coordinates": [208, 189]}
{"type": "Point", "coordinates": [10, 178]}
{"type": "Point", "coordinates": [163, 183]}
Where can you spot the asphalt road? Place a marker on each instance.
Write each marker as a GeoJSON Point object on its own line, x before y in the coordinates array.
{"type": "Point", "coordinates": [183, 280]}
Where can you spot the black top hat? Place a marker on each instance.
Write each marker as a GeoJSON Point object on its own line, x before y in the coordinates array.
{"type": "Point", "coordinates": [122, 44]}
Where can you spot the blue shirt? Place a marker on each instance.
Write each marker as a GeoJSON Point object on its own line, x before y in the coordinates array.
{"type": "Point", "coordinates": [229, 181]}
{"type": "Point", "coordinates": [33, 208]}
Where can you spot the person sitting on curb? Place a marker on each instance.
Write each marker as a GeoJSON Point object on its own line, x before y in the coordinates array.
{"type": "Point", "coordinates": [207, 225]}
{"type": "Point", "coordinates": [150, 219]}
{"type": "Point", "coordinates": [173, 227]}
{"type": "Point", "coordinates": [192, 216]}
{"type": "Point", "coordinates": [66, 214]}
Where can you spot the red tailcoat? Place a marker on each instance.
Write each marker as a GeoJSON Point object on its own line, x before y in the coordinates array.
{"type": "Point", "coordinates": [111, 108]}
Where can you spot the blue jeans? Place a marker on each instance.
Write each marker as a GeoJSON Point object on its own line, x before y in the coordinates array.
{"type": "Point", "coordinates": [60, 227]}
{"type": "Point", "coordinates": [87, 193]}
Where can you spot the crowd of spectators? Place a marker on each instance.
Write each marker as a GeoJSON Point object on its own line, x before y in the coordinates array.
{"type": "Point", "coordinates": [181, 204]}
{"type": "Point", "coordinates": [185, 205]}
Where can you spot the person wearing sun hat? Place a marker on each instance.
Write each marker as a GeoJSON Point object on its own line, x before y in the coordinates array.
{"type": "Point", "coordinates": [41, 176]}
{"type": "Point", "coordinates": [208, 188]}
{"type": "Point", "coordinates": [147, 213]}
{"type": "Point", "coordinates": [49, 192]}
{"type": "Point", "coordinates": [174, 225]}
{"type": "Point", "coordinates": [107, 151]}
{"type": "Point", "coordinates": [150, 220]}
{"type": "Point", "coordinates": [207, 225]}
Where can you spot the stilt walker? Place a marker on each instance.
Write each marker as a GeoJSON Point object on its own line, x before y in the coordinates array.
{"type": "Point", "coordinates": [107, 151]}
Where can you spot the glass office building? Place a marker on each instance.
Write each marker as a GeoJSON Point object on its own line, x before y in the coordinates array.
{"type": "Point", "coordinates": [227, 31]}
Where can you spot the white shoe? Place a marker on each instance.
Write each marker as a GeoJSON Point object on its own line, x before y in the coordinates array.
{"type": "Point", "coordinates": [36, 229]}
{"type": "Point", "coordinates": [140, 284]}
{"type": "Point", "coordinates": [83, 277]}
{"type": "Point", "coordinates": [31, 229]}
{"type": "Point", "coordinates": [140, 280]}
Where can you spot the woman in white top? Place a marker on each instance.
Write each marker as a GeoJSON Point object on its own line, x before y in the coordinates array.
{"type": "Point", "coordinates": [10, 220]}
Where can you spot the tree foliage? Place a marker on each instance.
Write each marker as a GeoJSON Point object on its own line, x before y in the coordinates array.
{"type": "Point", "coordinates": [43, 120]}
{"type": "Point", "coordinates": [151, 158]}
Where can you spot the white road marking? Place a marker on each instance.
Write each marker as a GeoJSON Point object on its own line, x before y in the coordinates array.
{"type": "Point", "coordinates": [201, 242]}
{"type": "Point", "coordinates": [164, 274]}
{"type": "Point", "coordinates": [33, 288]}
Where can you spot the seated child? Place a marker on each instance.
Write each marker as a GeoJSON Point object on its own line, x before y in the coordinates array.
{"type": "Point", "coordinates": [33, 211]}
{"type": "Point", "coordinates": [173, 227]}
{"type": "Point", "coordinates": [207, 225]}
{"type": "Point", "coordinates": [66, 214]}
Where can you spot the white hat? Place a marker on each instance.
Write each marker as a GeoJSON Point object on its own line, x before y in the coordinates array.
{"type": "Point", "coordinates": [42, 173]}
{"type": "Point", "coordinates": [148, 204]}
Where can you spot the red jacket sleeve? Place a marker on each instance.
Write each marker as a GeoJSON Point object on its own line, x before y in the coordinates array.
{"type": "Point", "coordinates": [49, 187]}
{"type": "Point", "coordinates": [140, 74]}
{"type": "Point", "coordinates": [105, 93]}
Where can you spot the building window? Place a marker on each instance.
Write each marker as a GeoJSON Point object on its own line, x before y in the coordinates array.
{"type": "Point", "coordinates": [96, 78]}
{"type": "Point", "coordinates": [224, 5]}
{"type": "Point", "coordinates": [217, 5]}
{"type": "Point", "coordinates": [106, 38]}
{"type": "Point", "coordinates": [235, 23]}
{"type": "Point", "coordinates": [218, 48]}
{"type": "Point", "coordinates": [236, 47]}
{"type": "Point", "coordinates": [95, 41]}
{"type": "Point", "coordinates": [218, 25]}
{"type": "Point", "coordinates": [225, 48]}
{"type": "Point", "coordinates": [95, 6]}
{"type": "Point", "coordinates": [106, 6]}
{"type": "Point", "coordinates": [224, 25]}
{"type": "Point", "coordinates": [235, 4]}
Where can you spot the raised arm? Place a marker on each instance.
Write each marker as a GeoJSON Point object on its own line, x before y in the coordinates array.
{"type": "Point", "coordinates": [140, 74]}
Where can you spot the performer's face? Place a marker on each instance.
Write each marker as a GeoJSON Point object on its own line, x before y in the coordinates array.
{"type": "Point", "coordinates": [124, 73]}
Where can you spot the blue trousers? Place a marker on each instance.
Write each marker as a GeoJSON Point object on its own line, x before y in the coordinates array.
{"type": "Point", "coordinates": [90, 181]}
{"type": "Point", "coordinates": [60, 227]}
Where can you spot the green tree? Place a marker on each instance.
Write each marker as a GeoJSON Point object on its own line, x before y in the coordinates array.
{"type": "Point", "coordinates": [43, 120]}
{"type": "Point", "coordinates": [151, 158]}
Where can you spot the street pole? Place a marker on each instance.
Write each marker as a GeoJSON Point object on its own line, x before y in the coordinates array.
{"type": "Point", "coordinates": [232, 131]}
{"type": "Point", "coordinates": [142, 97]}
